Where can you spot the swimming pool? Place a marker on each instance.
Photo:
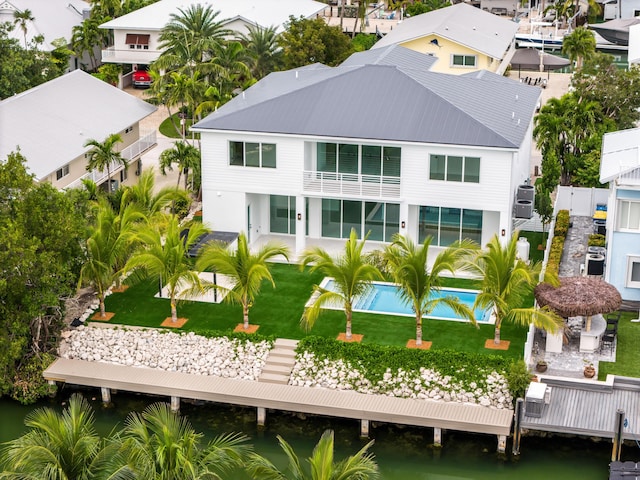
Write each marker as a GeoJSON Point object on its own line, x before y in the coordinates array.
{"type": "Point", "coordinates": [384, 298]}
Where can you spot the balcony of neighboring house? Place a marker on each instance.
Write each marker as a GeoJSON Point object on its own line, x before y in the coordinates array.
{"type": "Point", "coordinates": [351, 184]}
{"type": "Point", "coordinates": [124, 54]}
{"type": "Point", "coordinates": [130, 153]}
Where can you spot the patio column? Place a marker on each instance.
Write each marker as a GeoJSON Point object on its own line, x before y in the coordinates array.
{"type": "Point", "coordinates": [301, 222]}
{"type": "Point", "coordinates": [175, 404]}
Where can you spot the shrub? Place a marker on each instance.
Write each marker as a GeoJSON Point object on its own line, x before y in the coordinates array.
{"type": "Point", "coordinates": [29, 385]}
{"type": "Point", "coordinates": [555, 254]}
{"type": "Point", "coordinates": [519, 378]}
{"type": "Point", "coordinates": [181, 207]}
{"type": "Point", "coordinates": [596, 240]}
{"type": "Point", "coordinates": [562, 224]}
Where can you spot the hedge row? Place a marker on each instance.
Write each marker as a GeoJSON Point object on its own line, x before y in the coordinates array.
{"type": "Point", "coordinates": [557, 243]}
{"type": "Point", "coordinates": [596, 240]}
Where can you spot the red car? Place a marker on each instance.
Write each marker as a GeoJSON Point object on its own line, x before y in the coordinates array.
{"type": "Point", "coordinates": [141, 77]}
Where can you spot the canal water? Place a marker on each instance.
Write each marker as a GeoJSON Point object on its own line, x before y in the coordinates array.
{"type": "Point", "coordinates": [401, 452]}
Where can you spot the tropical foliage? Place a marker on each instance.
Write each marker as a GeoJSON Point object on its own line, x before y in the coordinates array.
{"type": "Point", "coordinates": [104, 156]}
{"type": "Point", "coordinates": [351, 273]}
{"type": "Point", "coordinates": [418, 282]}
{"type": "Point", "coordinates": [245, 269]}
{"type": "Point", "coordinates": [506, 282]}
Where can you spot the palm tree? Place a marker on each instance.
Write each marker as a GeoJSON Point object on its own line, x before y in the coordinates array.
{"type": "Point", "coordinates": [246, 270]}
{"type": "Point", "coordinates": [103, 155]}
{"type": "Point", "coordinates": [189, 35]}
{"type": "Point", "coordinates": [184, 155]}
{"type": "Point", "coordinates": [84, 39]}
{"type": "Point", "coordinates": [408, 265]}
{"type": "Point", "coordinates": [62, 446]}
{"type": "Point", "coordinates": [22, 19]}
{"type": "Point", "coordinates": [579, 45]}
{"type": "Point", "coordinates": [162, 445]}
{"type": "Point", "coordinates": [153, 204]}
{"type": "Point", "coordinates": [352, 276]}
{"type": "Point", "coordinates": [360, 466]}
{"type": "Point", "coordinates": [262, 47]}
{"type": "Point", "coordinates": [506, 282]}
{"type": "Point", "coordinates": [107, 248]}
{"type": "Point", "coordinates": [163, 254]}
{"type": "Point", "coordinates": [230, 62]}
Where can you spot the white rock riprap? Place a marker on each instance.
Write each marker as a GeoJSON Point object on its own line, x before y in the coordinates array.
{"type": "Point", "coordinates": [426, 383]}
{"type": "Point", "coordinates": [173, 352]}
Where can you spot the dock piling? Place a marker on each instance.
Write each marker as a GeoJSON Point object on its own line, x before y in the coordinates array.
{"type": "Point", "coordinates": [437, 437]}
{"type": "Point", "coordinates": [617, 436]}
{"type": "Point", "coordinates": [175, 404]}
{"type": "Point", "coordinates": [502, 443]}
{"type": "Point", "coordinates": [262, 416]}
{"type": "Point", "coordinates": [106, 395]}
{"type": "Point", "coordinates": [517, 430]}
{"type": "Point", "coordinates": [364, 428]}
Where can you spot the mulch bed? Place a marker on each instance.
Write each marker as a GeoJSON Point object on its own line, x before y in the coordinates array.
{"type": "Point", "coordinates": [251, 329]}
{"type": "Point", "coordinates": [355, 338]}
{"type": "Point", "coordinates": [171, 324]}
{"type": "Point", "coordinates": [99, 318]}
{"type": "Point", "coordinates": [491, 345]}
{"type": "Point", "coordinates": [423, 346]}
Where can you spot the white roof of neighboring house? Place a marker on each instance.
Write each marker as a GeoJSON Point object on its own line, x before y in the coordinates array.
{"type": "Point", "coordinates": [481, 31]}
{"type": "Point", "coordinates": [53, 18]}
{"type": "Point", "coordinates": [265, 13]}
{"type": "Point", "coordinates": [51, 122]}
{"type": "Point", "coordinates": [620, 153]}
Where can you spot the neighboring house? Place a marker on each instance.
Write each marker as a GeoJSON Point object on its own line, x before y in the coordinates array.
{"type": "Point", "coordinates": [620, 167]}
{"type": "Point", "coordinates": [308, 154]}
{"type": "Point", "coordinates": [53, 19]}
{"type": "Point", "coordinates": [462, 37]}
{"type": "Point", "coordinates": [51, 123]}
{"type": "Point", "coordinates": [136, 35]}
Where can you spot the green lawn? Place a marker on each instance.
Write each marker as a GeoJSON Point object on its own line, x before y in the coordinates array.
{"type": "Point", "coordinates": [278, 313]}
{"type": "Point", "coordinates": [535, 240]}
{"type": "Point", "coordinates": [627, 355]}
{"type": "Point", "coordinates": [168, 130]}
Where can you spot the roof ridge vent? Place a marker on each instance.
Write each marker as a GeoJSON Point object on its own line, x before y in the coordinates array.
{"type": "Point", "coordinates": [296, 74]}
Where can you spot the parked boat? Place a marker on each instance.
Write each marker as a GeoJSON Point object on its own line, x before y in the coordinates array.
{"type": "Point", "coordinates": [615, 31]}
{"type": "Point", "coordinates": [540, 36]}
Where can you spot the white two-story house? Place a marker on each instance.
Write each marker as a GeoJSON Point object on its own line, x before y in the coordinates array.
{"type": "Point", "coordinates": [309, 154]}
{"type": "Point", "coordinates": [620, 167]}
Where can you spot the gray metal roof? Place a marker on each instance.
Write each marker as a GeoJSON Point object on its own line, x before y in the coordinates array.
{"type": "Point", "coordinates": [461, 23]}
{"type": "Point", "coordinates": [51, 122]}
{"type": "Point", "coordinates": [392, 55]}
{"type": "Point", "coordinates": [383, 102]}
{"type": "Point", "coordinates": [583, 409]}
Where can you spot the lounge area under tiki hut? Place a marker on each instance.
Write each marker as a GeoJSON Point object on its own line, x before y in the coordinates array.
{"type": "Point", "coordinates": [584, 298]}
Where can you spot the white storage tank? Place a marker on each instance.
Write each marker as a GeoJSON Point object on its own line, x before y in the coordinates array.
{"type": "Point", "coordinates": [522, 249]}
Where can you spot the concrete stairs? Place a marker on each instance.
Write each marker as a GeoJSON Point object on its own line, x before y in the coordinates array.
{"type": "Point", "coordinates": [280, 362]}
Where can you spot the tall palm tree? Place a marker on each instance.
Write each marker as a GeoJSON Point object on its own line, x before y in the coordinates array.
{"type": "Point", "coordinates": [230, 62]}
{"type": "Point", "coordinates": [107, 248]}
{"type": "Point", "coordinates": [103, 155]}
{"type": "Point", "coordinates": [408, 264]}
{"type": "Point", "coordinates": [190, 35]}
{"type": "Point", "coordinates": [163, 254]}
{"type": "Point", "coordinates": [22, 19]}
{"type": "Point", "coordinates": [351, 273]}
{"type": "Point", "coordinates": [62, 446]}
{"type": "Point", "coordinates": [262, 47]}
{"type": "Point", "coordinates": [506, 282]}
{"type": "Point", "coordinates": [185, 156]}
{"type": "Point", "coordinates": [579, 45]}
{"type": "Point", "coordinates": [322, 465]}
{"type": "Point", "coordinates": [85, 37]}
{"type": "Point", "coordinates": [162, 445]}
{"type": "Point", "coordinates": [247, 270]}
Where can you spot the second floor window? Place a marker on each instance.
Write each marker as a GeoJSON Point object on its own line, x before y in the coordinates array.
{"type": "Point", "coordinates": [63, 172]}
{"type": "Point", "coordinates": [137, 41]}
{"type": "Point", "coordinates": [463, 60]}
{"type": "Point", "coordinates": [368, 160]}
{"type": "Point", "coordinates": [252, 154]}
{"type": "Point", "coordinates": [454, 169]}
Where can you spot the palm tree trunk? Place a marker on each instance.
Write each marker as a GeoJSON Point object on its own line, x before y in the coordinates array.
{"type": "Point", "coordinates": [103, 312]}
{"type": "Point", "coordinates": [418, 329]}
{"type": "Point", "coordinates": [341, 13]}
{"type": "Point", "coordinates": [348, 329]}
{"type": "Point", "coordinates": [174, 310]}
{"type": "Point", "coordinates": [496, 335]}
{"type": "Point", "coordinates": [245, 316]}
{"type": "Point", "coordinates": [179, 175]}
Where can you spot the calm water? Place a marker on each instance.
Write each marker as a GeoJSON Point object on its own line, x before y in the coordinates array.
{"type": "Point", "coordinates": [402, 453]}
{"type": "Point", "coordinates": [385, 298]}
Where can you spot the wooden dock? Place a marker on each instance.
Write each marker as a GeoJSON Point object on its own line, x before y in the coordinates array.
{"type": "Point", "coordinates": [263, 396]}
{"type": "Point", "coordinates": [589, 408]}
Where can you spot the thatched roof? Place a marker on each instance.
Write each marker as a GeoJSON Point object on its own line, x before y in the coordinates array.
{"type": "Point", "coordinates": [579, 296]}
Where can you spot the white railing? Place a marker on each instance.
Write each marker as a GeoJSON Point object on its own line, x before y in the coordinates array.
{"type": "Point", "coordinates": [126, 55]}
{"type": "Point", "coordinates": [351, 184]}
{"type": "Point", "coordinates": [130, 153]}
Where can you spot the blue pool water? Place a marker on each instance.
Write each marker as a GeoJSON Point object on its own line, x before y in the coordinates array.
{"type": "Point", "coordinates": [384, 298]}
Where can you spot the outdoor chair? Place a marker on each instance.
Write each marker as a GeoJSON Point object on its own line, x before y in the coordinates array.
{"type": "Point", "coordinates": [613, 317]}
{"type": "Point", "coordinates": [609, 338]}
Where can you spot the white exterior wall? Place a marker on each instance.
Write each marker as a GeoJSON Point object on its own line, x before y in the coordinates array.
{"type": "Point", "coordinates": [121, 53]}
{"type": "Point", "coordinates": [229, 190]}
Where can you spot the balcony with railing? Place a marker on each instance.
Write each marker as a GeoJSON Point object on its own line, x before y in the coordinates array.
{"type": "Point", "coordinates": [127, 55]}
{"type": "Point", "coordinates": [130, 153]}
{"type": "Point", "coordinates": [351, 184]}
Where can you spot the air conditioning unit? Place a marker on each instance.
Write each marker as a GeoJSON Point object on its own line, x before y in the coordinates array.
{"type": "Point", "coordinates": [525, 192]}
{"type": "Point", "coordinates": [595, 264]}
{"type": "Point", "coordinates": [534, 400]}
{"type": "Point", "coordinates": [524, 209]}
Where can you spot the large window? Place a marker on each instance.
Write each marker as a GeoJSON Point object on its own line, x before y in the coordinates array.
{"type": "Point", "coordinates": [628, 215]}
{"type": "Point", "coordinates": [448, 225]}
{"type": "Point", "coordinates": [252, 154]}
{"type": "Point", "coordinates": [368, 160]}
{"type": "Point", "coordinates": [379, 220]}
{"type": "Point", "coordinates": [282, 214]}
{"type": "Point", "coordinates": [463, 60]}
{"type": "Point", "coordinates": [454, 168]}
{"type": "Point", "coordinates": [633, 271]}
